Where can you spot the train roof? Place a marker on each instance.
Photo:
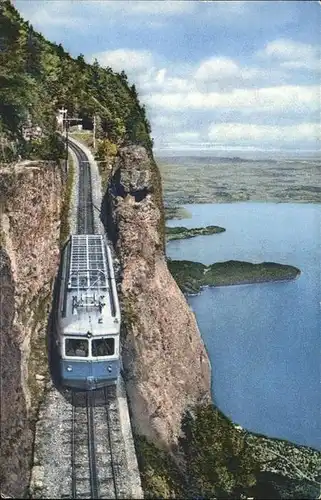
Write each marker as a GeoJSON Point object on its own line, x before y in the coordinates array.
{"type": "Point", "coordinates": [90, 303]}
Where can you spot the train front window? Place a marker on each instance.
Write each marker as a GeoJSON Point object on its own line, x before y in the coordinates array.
{"type": "Point", "coordinates": [103, 347]}
{"type": "Point", "coordinates": [77, 347]}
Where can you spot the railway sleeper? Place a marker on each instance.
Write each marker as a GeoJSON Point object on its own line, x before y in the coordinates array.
{"type": "Point", "coordinates": [84, 495]}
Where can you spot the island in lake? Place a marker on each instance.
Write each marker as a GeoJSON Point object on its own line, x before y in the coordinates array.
{"type": "Point", "coordinates": [180, 233]}
{"type": "Point", "coordinates": [192, 276]}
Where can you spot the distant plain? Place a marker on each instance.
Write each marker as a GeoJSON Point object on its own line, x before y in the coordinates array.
{"type": "Point", "coordinates": [225, 180]}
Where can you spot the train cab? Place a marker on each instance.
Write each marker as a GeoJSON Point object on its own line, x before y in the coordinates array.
{"type": "Point", "coordinates": [88, 315]}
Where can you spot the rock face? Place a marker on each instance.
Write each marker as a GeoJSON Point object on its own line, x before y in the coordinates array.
{"type": "Point", "coordinates": [166, 366]}
{"type": "Point", "coordinates": [30, 202]}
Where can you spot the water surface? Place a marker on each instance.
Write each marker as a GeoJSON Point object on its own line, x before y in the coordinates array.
{"type": "Point", "coordinates": [264, 339]}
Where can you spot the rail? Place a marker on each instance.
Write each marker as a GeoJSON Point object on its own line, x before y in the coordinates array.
{"type": "Point", "coordinates": [73, 449]}
{"type": "Point", "coordinates": [109, 425]}
{"type": "Point", "coordinates": [92, 446]}
{"type": "Point", "coordinates": [85, 213]}
{"type": "Point", "coordinates": [84, 476]}
{"type": "Point", "coordinates": [95, 463]}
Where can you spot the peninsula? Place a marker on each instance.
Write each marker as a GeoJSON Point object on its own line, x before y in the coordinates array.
{"type": "Point", "coordinates": [180, 233]}
{"type": "Point", "coordinates": [192, 276]}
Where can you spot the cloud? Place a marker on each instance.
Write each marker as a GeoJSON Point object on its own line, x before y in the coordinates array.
{"type": "Point", "coordinates": [142, 66]}
{"type": "Point", "coordinates": [216, 68]}
{"type": "Point", "coordinates": [95, 14]}
{"type": "Point", "coordinates": [207, 80]}
{"type": "Point", "coordinates": [73, 13]}
{"type": "Point", "coordinates": [158, 80]}
{"type": "Point", "coordinates": [187, 136]}
{"type": "Point", "coordinates": [51, 14]}
{"type": "Point", "coordinates": [244, 137]}
{"type": "Point", "coordinates": [243, 133]}
{"type": "Point", "coordinates": [181, 110]}
{"type": "Point", "coordinates": [133, 61]}
{"type": "Point", "coordinates": [273, 99]}
{"type": "Point", "coordinates": [225, 12]}
{"type": "Point", "coordinates": [169, 121]}
{"type": "Point", "coordinates": [222, 72]}
{"type": "Point", "coordinates": [162, 7]}
{"type": "Point", "coordinates": [293, 55]}
{"type": "Point", "coordinates": [215, 74]}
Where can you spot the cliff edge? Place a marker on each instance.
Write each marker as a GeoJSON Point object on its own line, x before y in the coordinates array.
{"type": "Point", "coordinates": [165, 363]}
{"type": "Point", "coordinates": [30, 206]}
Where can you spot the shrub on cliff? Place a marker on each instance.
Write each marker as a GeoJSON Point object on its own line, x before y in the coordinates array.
{"type": "Point", "coordinates": [105, 154]}
{"type": "Point", "coordinates": [219, 462]}
{"type": "Point", "coordinates": [106, 150]}
{"type": "Point", "coordinates": [159, 473]}
{"type": "Point", "coordinates": [66, 200]}
{"type": "Point", "coordinates": [46, 148]}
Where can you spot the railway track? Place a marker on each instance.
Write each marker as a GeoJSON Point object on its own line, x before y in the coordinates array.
{"type": "Point", "coordinates": [97, 459]}
{"type": "Point", "coordinates": [85, 214]}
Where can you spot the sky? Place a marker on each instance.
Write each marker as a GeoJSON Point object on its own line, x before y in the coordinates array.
{"type": "Point", "coordinates": [213, 75]}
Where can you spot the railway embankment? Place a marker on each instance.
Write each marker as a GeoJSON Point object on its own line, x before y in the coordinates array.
{"type": "Point", "coordinates": [54, 460]}
{"type": "Point", "coordinates": [56, 463]}
{"type": "Point", "coordinates": [30, 202]}
{"type": "Point", "coordinates": [131, 476]}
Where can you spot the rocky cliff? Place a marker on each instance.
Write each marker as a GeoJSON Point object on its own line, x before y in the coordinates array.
{"type": "Point", "coordinates": [166, 367]}
{"type": "Point", "coordinates": [30, 203]}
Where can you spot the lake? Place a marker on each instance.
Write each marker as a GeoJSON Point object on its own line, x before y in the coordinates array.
{"type": "Point", "coordinates": [263, 340]}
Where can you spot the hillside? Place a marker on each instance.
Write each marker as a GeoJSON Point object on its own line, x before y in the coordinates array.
{"type": "Point", "coordinates": [38, 77]}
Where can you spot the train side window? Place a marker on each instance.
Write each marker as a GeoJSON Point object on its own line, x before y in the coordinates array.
{"type": "Point", "coordinates": [76, 347]}
{"type": "Point", "coordinates": [103, 347]}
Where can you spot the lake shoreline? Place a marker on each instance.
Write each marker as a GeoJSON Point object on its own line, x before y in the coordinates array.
{"type": "Point", "coordinates": [203, 287]}
{"type": "Point", "coordinates": [257, 281]}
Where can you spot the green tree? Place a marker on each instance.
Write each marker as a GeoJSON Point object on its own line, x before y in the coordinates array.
{"type": "Point", "coordinates": [123, 76]}
{"type": "Point", "coordinates": [136, 128]}
{"type": "Point", "coordinates": [33, 59]}
{"type": "Point", "coordinates": [37, 77]}
{"type": "Point", "coordinates": [219, 462]}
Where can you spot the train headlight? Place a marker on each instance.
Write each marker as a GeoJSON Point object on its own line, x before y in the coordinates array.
{"type": "Point", "coordinates": [69, 368]}
{"type": "Point", "coordinates": [109, 368]}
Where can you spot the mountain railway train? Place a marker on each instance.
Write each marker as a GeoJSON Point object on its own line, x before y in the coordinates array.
{"type": "Point", "coordinates": [88, 315]}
